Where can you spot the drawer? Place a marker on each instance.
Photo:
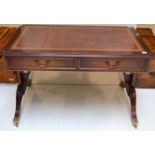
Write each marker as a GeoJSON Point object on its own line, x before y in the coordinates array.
{"type": "Point", "coordinates": [41, 63]}
{"type": "Point", "coordinates": [8, 77]}
{"type": "Point", "coordinates": [99, 64]}
{"type": "Point", "coordinates": [145, 80]}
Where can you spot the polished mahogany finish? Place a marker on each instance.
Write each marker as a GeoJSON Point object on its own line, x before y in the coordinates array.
{"type": "Point", "coordinates": [148, 39]}
{"type": "Point", "coordinates": [147, 79]}
{"type": "Point", "coordinates": [77, 48]}
{"type": "Point", "coordinates": [8, 77]}
{"type": "Point", "coordinates": [42, 63]}
{"type": "Point", "coordinates": [3, 31]}
{"type": "Point", "coordinates": [77, 64]}
{"type": "Point", "coordinates": [75, 40]}
{"type": "Point", "coordinates": [104, 64]}
{"type": "Point", "coordinates": [144, 32]}
{"type": "Point", "coordinates": [150, 43]}
{"type": "Point", "coordinates": [128, 83]}
{"type": "Point", "coordinates": [21, 88]}
{"type": "Point", "coordinates": [6, 34]}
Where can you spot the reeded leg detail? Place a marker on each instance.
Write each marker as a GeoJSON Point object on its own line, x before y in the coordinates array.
{"type": "Point", "coordinates": [128, 84]}
{"type": "Point", "coordinates": [23, 78]}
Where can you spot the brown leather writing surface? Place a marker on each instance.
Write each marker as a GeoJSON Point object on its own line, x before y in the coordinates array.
{"type": "Point", "coordinates": [76, 40]}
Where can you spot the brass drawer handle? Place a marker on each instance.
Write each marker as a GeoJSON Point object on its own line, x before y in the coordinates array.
{"type": "Point", "coordinates": [112, 63]}
{"type": "Point", "coordinates": [42, 62]}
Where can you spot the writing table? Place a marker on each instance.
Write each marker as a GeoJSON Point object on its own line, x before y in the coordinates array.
{"type": "Point", "coordinates": [76, 48]}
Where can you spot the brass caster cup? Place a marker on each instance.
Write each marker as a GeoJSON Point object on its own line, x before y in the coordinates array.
{"type": "Point", "coordinates": [16, 121]}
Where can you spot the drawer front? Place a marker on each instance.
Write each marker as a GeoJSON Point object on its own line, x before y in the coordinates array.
{"type": "Point", "coordinates": [8, 77]}
{"type": "Point", "coordinates": [99, 64]}
{"type": "Point", "coordinates": [41, 63]}
{"type": "Point", "coordinates": [145, 80]}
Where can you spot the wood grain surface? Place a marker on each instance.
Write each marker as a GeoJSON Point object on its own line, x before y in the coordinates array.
{"type": "Point", "coordinates": [76, 40]}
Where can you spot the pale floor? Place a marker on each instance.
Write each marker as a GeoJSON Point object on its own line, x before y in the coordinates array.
{"type": "Point", "coordinates": [76, 107]}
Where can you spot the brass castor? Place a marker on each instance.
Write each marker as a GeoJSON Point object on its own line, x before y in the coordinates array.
{"type": "Point", "coordinates": [122, 84]}
{"type": "Point", "coordinates": [135, 122]}
{"type": "Point", "coordinates": [16, 121]}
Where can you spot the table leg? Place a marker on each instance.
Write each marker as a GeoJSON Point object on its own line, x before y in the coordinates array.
{"type": "Point", "coordinates": [129, 85]}
{"type": "Point", "coordinates": [23, 83]}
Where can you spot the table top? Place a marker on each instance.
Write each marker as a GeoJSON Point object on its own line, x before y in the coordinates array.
{"type": "Point", "coordinates": [75, 40]}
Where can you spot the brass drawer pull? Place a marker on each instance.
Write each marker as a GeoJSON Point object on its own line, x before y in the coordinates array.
{"type": "Point", "coordinates": [112, 63]}
{"type": "Point", "coordinates": [42, 62]}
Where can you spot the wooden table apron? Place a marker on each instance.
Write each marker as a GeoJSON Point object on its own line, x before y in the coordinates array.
{"type": "Point", "coordinates": [77, 48]}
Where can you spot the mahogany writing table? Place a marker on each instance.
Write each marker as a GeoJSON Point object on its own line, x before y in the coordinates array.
{"type": "Point", "coordinates": [76, 48]}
